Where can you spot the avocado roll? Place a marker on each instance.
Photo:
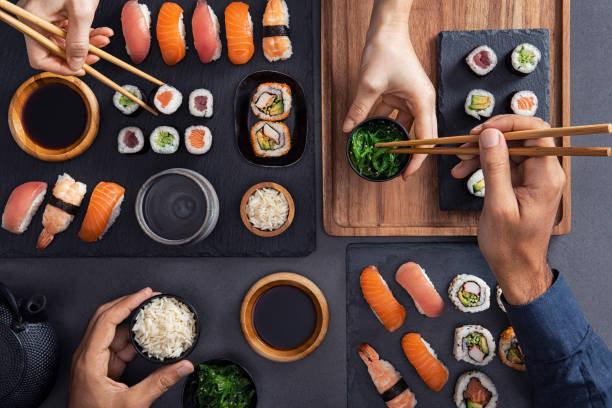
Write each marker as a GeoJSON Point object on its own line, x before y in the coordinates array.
{"type": "Point", "coordinates": [164, 140]}
{"type": "Point", "coordinates": [124, 104]}
{"type": "Point", "coordinates": [270, 139]}
{"type": "Point", "coordinates": [479, 103]}
{"type": "Point", "coordinates": [474, 344]}
{"type": "Point", "coordinates": [469, 293]}
{"type": "Point", "coordinates": [476, 184]}
{"type": "Point", "coordinates": [525, 58]}
{"type": "Point", "coordinates": [272, 101]}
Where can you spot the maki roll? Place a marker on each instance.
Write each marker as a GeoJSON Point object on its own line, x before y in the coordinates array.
{"type": "Point", "coordinates": [164, 140]}
{"type": "Point", "coordinates": [272, 101]}
{"type": "Point", "coordinates": [476, 184]}
{"type": "Point", "coordinates": [525, 58]}
{"type": "Point", "coordinates": [475, 390]}
{"type": "Point", "coordinates": [510, 352]}
{"type": "Point", "coordinates": [524, 103]}
{"type": "Point", "coordinates": [201, 103]}
{"type": "Point", "coordinates": [469, 293]}
{"type": "Point", "coordinates": [130, 140]}
{"type": "Point", "coordinates": [124, 104]}
{"type": "Point", "coordinates": [167, 99]}
{"type": "Point", "coordinates": [198, 139]}
{"type": "Point", "coordinates": [481, 60]}
{"type": "Point", "coordinates": [479, 103]}
{"type": "Point", "coordinates": [270, 139]}
{"type": "Point", "coordinates": [474, 344]}
{"type": "Point", "coordinates": [498, 295]}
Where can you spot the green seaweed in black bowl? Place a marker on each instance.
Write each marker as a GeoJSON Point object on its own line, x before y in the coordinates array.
{"type": "Point", "coordinates": [376, 163]}
{"type": "Point", "coordinates": [223, 385]}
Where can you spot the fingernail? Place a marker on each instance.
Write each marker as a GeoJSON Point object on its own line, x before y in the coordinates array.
{"type": "Point", "coordinates": [478, 128]}
{"type": "Point", "coordinates": [184, 370]}
{"type": "Point", "coordinates": [76, 62]}
{"type": "Point", "coordinates": [458, 166]}
{"type": "Point", "coordinates": [349, 125]}
{"type": "Point", "coordinates": [489, 138]}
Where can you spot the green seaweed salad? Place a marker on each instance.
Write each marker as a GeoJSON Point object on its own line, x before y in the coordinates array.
{"type": "Point", "coordinates": [376, 163]}
{"type": "Point", "coordinates": [223, 385]}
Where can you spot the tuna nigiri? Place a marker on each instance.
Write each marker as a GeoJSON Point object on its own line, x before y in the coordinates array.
{"type": "Point", "coordinates": [205, 25]}
{"type": "Point", "coordinates": [104, 208]}
{"type": "Point", "coordinates": [21, 206]}
{"type": "Point", "coordinates": [136, 27]}
{"type": "Point", "coordinates": [171, 33]}
{"type": "Point", "coordinates": [276, 42]}
{"type": "Point", "coordinates": [378, 295]}
{"type": "Point", "coordinates": [239, 32]}
{"type": "Point", "coordinates": [388, 381]}
{"type": "Point", "coordinates": [61, 208]}
{"type": "Point", "coordinates": [424, 359]}
{"type": "Point", "coordinates": [418, 285]}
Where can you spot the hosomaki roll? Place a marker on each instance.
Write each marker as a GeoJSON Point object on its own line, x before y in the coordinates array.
{"type": "Point", "coordinates": [479, 103]}
{"type": "Point", "coordinates": [270, 139]}
{"type": "Point", "coordinates": [164, 140]}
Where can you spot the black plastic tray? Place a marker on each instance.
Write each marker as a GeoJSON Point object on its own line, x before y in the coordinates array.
{"type": "Point", "coordinates": [224, 166]}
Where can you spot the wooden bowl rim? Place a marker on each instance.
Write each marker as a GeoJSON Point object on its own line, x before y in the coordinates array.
{"type": "Point", "coordinates": [278, 279]}
{"type": "Point", "coordinates": [53, 155]}
{"type": "Point", "coordinates": [245, 218]}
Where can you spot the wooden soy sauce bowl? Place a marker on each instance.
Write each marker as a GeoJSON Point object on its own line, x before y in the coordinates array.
{"type": "Point", "coordinates": [248, 326]}
{"type": "Point", "coordinates": [245, 218]}
{"type": "Point", "coordinates": [18, 129]}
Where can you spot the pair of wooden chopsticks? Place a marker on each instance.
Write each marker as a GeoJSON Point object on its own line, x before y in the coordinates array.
{"type": "Point", "coordinates": [514, 151]}
{"type": "Point", "coordinates": [60, 52]}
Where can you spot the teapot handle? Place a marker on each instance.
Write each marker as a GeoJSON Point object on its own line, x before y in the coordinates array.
{"type": "Point", "coordinates": [11, 302]}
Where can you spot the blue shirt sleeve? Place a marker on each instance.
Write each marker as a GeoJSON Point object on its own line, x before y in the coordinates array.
{"type": "Point", "coordinates": [568, 364]}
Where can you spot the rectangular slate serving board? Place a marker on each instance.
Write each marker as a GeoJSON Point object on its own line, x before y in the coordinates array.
{"type": "Point", "coordinates": [455, 80]}
{"type": "Point", "coordinates": [442, 263]}
{"type": "Point", "coordinates": [223, 166]}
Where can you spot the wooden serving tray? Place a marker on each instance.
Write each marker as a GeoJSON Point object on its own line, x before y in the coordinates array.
{"type": "Point", "coordinates": [355, 207]}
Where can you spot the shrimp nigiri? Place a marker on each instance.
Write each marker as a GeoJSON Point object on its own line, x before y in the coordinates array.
{"type": "Point", "coordinates": [239, 32]}
{"type": "Point", "coordinates": [205, 25]}
{"type": "Point", "coordinates": [378, 295]}
{"type": "Point", "coordinates": [388, 381]}
{"type": "Point", "coordinates": [276, 42]}
{"type": "Point", "coordinates": [61, 208]}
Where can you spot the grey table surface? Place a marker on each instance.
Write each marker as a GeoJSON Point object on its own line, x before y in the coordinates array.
{"type": "Point", "coordinates": [75, 287]}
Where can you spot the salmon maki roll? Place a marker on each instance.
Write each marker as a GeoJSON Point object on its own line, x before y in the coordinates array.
{"type": "Point", "coordinates": [276, 42]}
{"type": "Point", "coordinates": [171, 33]}
{"type": "Point", "coordinates": [387, 380]}
{"type": "Point", "coordinates": [205, 25]}
{"type": "Point", "coordinates": [418, 285]}
{"type": "Point", "coordinates": [475, 389]}
{"type": "Point", "coordinates": [136, 27]}
{"type": "Point", "coordinates": [425, 361]}
{"type": "Point", "coordinates": [239, 32]}
{"type": "Point", "coordinates": [382, 302]}
{"type": "Point", "coordinates": [104, 208]}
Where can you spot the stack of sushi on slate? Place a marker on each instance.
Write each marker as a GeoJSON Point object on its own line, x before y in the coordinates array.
{"type": "Point", "coordinates": [165, 139]}
{"type": "Point", "coordinates": [271, 103]}
{"type": "Point", "coordinates": [482, 60]}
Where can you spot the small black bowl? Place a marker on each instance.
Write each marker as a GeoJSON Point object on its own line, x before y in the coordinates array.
{"type": "Point", "coordinates": [185, 353]}
{"type": "Point", "coordinates": [390, 121]}
{"type": "Point", "coordinates": [191, 383]}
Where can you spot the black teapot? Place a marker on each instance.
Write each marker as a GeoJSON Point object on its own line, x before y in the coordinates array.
{"type": "Point", "coordinates": [28, 351]}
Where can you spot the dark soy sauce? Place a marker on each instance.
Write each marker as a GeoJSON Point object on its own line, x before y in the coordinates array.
{"type": "Point", "coordinates": [174, 207]}
{"type": "Point", "coordinates": [54, 116]}
{"type": "Point", "coordinates": [284, 317]}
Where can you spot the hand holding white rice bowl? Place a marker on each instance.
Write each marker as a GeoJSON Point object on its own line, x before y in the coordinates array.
{"type": "Point", "coordinates": [256, 204]}
{"type": "Point", "coordinates": [164, 329]}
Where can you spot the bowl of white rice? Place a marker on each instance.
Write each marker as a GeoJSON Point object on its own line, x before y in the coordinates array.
{"type": "Point", "coordinates": [164, 329]}
{"type": "Point", "coordinates": [267, 209]}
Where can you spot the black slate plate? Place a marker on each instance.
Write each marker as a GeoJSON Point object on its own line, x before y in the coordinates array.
{"type": "Point", "coordinates": [442, 262]}
{"type": "Point", "coordinates": [297, 121]}
{"type": "Point", "coordinates": [223, 165]}
{"type": "Point", "coordinates": [455, 80]}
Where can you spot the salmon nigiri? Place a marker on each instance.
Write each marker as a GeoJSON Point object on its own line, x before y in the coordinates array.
{"type": "Point", "coordinates": [387, 380]}
{"type": "Point", "coordinates": [276, 42]}
{"type": "Point", "coordinates": [424, 359]}
{"type": "Point", "coordinates": [378, 295]}
{"type": "Point", "coordinates": [136, 27]}
{"type": "Point", "coordinates": [239, 32]}
{"type": "Point", "coordinates": [418, 285]}
{"type": "Point", "coordinates": [171, 33]}
{"type": "Point", "coordinates": [103, 210]}
{"type": "Point", "coordinates": [205, 25]}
